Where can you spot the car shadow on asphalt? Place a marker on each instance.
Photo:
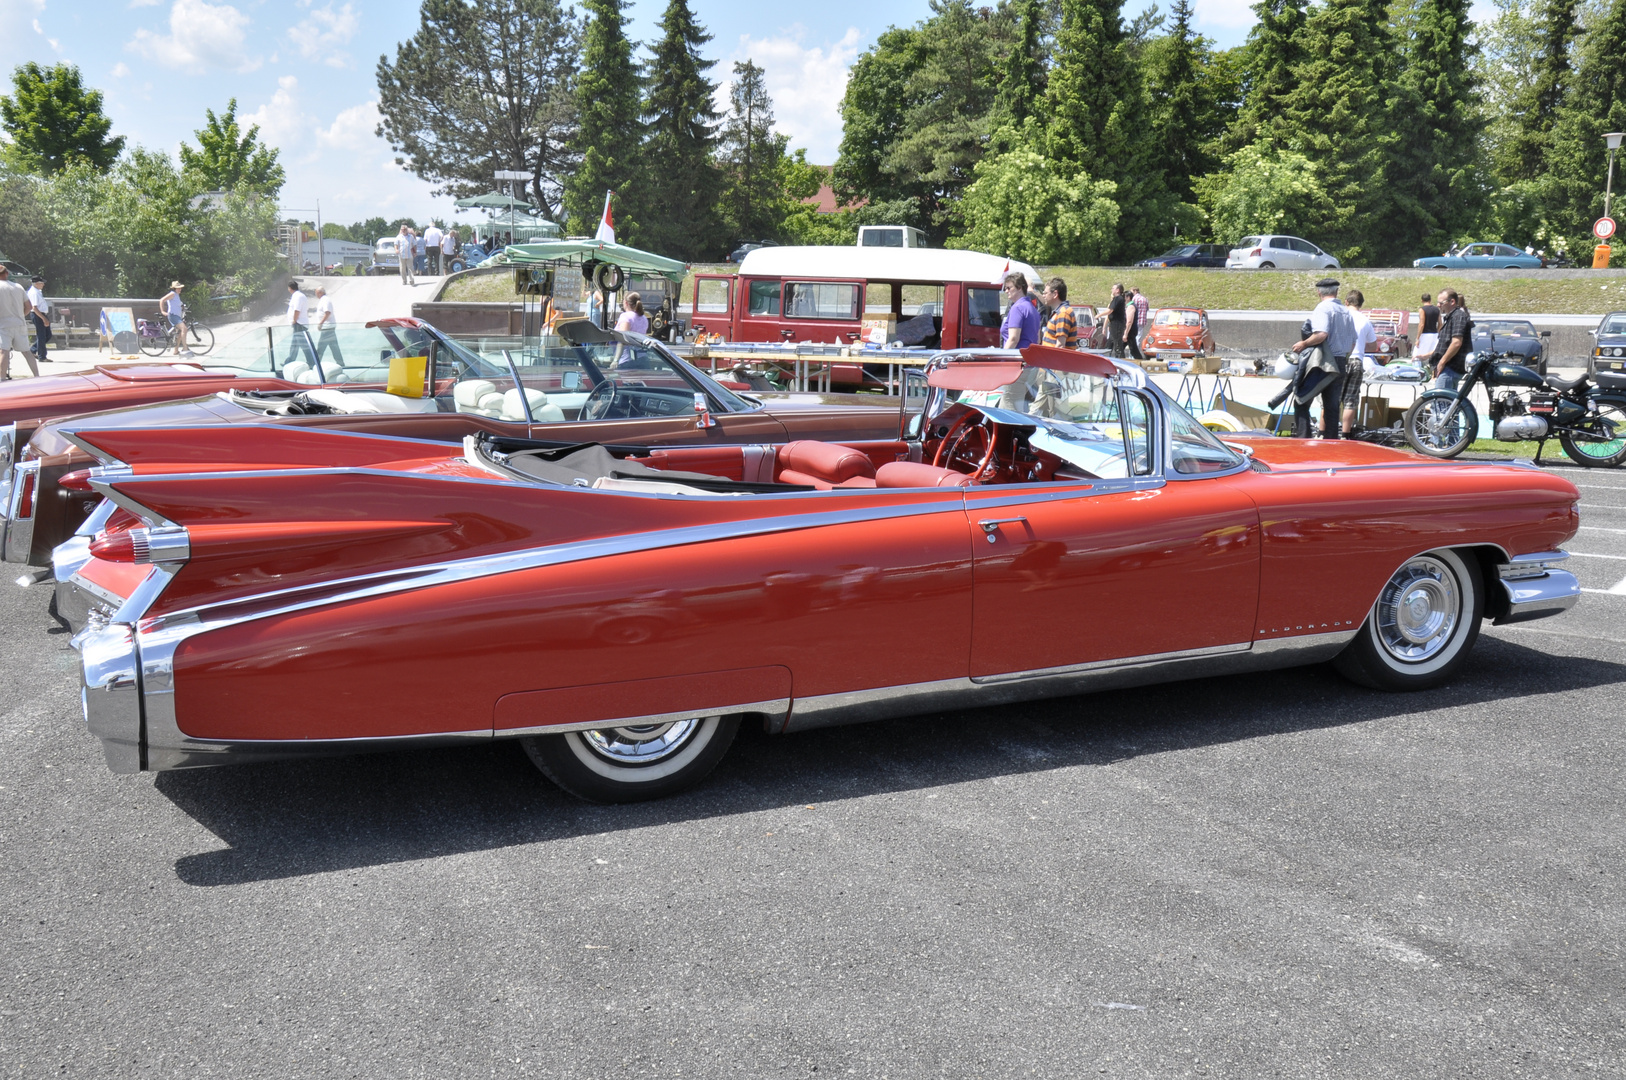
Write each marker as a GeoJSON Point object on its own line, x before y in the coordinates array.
{"type": "Point", "coordinates": [293, 818]}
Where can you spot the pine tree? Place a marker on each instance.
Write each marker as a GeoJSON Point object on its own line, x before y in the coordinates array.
{"type": "Point", "coordinates": [1535, 109]}
{"type": "Point", "coordinates": [1098, 120]}
{"type": "Point", "coordinates": [1183, 115]}
{"type": "Point", "coordinates": [1577, 159]}
{"type": "Point", "coordinates": [754, 159]}
{"type": "Point", "coordinates": [1437, 186]}
{"type": "Point", "coordinates": [1274, 51]}
{"type": "Point", "coordinates": [677, 201]}
{"type": "Point", "coordinates": [607, 96]}
{"type": "Point", "coordinates": [1021, 88]}
{"type": "Point", "coordinates": [1337, 115]}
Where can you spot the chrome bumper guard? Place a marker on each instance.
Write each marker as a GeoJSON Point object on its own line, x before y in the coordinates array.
{"type": "Point", "coordinates": [18, 539]}
{"type": "Point", "coordinates": [8, 455]}
{"type": "Point", "coordinates": [1536, 588]}
{"type": "Point", "coordinates": [110, 694]}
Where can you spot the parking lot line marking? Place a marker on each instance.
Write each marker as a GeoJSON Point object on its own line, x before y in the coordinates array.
{"type": "Point", "coordinates": [1599, 506]}
{"type": "Point", "coordinates": [1600, 528]}
{"type": "Point", "coordinates": [1594, 555]}
{"type": "Point", "coordinates": [1560, 633]}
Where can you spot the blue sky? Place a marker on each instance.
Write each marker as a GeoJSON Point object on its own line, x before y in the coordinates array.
{"type": "Point", "coordinates": [303, 70]}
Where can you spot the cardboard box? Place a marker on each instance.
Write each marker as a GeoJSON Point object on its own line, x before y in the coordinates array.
{"type": "Point", "coordinates": [1205, 365]}
{"type": "Point", "coordinates": [1378, 412]}
{"type": "Point", "coordinates": [878, 329]}
{"type": "Point", "coordinates": [1251, 415]}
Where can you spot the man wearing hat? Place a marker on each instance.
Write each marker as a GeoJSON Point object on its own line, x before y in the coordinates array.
{"type": "Point", "coordinates": [1332, 329]}
{"type": "Point", "coordinates": [172, 309]}
{"type": "Point", "coordinates": [14, 312]}
{"type": "Point", "coordinates": [40, 316]}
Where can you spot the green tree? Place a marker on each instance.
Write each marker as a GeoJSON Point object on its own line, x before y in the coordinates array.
{"type": "Point", "coordinates": [874, 109]}
{"type": "Point", "coordinates": [1187, 118]}
{"type": "Point", "coordinates": [607, 100]}
{"type": "Point", "coordinates": [1021, 86]}
{"type": "Point", "coordinates": [1272, 56]}
{"type": "Point", "coordinates": [486, 85]}
{"type": "Point", "coordinates": [54, 120]}
{"type": "Point", "coordinates": [1262, 189]}
{"type": "Point", "coordinates": [678, 196]}
{"type": "Point", "coordinates": [1098, 111]}
{"type": "Point", "coordinates": [1438, 186]}
{"type": "Point", "coordinates": [1577, 159]}
{"type": "Point", "coordinates": [753, 160]}
{"type": "Point", "coordinates": [1025, 205]}
{"type": "Point", "coordinates": [1539, 92]}
{"type": "Point", "coordinates": [370, 231]}
{"type": "Point", "coordinates": [228, 156]}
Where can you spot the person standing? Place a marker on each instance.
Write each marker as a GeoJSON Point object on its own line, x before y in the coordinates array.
{"type": "Point", "coordinates": [1331, 328]}
{"type": "Point", "coordinates": [1138, 310]}
{"type": "Point", "coordinates": [1115, 321]}
{"type": "Point", "coordinates": [171, 308]}
{"type": "Point", "coordinates": [299, 329]}
{"type": "Point", "coordinates": [1356, 373]}
{"type": "Point", "coordinates": [1021, 326]}
{"type": "Point", "coordinates": [327, 328]}
{"type": "Point", "coordinates": [14, 312]}
{"type": "Point", "coordinates": [448, 250]}
{"type": "Point", "coordinates": [1449, 357]}
{"type": "Point", "coordinates": [1428, 327]}
{"type": "Point", "coordinates": [1061, 330]}
{"type": "Point", "coordinates": [432, 238]}
{"type": "Point", "coordinates": [420, 260]}
{"type": "Point", "coordinates": [403, 255]}
{"type": "Point", "coordinates": [40, 316]}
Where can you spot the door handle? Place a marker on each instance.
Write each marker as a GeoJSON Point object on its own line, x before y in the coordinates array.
{"type": "Point", "coordinates": [990, 526]}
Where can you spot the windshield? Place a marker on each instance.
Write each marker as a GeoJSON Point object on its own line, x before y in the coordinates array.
{"type": "Point", "coordinates": [1509, 329]}
{"type": "Point", "coordinates": [1063, 395]}
{"type": "Point", "coordinates": [1172, 317]}
{"type": "Point", "coordinates": [1175, 253]}
{"type": "Point", "coordinates": [339, 353]}
{"type": "Point", "coordinates": [1614, 324]}
{"type": "Point", "coordinates": [1249, 241]}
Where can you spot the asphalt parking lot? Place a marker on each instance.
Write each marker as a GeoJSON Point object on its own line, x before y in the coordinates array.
{"type": "Point", "coordinates": [1263, 876]}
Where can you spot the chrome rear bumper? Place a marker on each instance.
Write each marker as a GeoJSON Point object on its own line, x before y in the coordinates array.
{"type": "Point", "coordinates": [1536, 588]}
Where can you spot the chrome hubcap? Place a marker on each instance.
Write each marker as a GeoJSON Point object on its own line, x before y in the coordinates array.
{"type": "Point", "coordinates": [1419, 610]}
{"type": "Point", "coordinates": [641, 744]}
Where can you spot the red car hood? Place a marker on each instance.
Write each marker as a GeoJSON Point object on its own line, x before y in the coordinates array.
{"type": "Point", "coordinates": [48, 439]}
{"type": "Point", "coordinates": [54, 395]}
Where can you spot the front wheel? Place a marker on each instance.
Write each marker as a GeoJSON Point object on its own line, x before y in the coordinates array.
{"type": "Point", "coordinates": [155, 346]}
{"type": "Point", "coordinates": [636, 761]}
{"type": "Point", "coordinates": [1419, 632]}
{"type": "Point", "coordinates": [1607, 448]}
{"type": "Point", "coordinates": [1432, 428]}
{"type": "Point", "coordinates": [200, 339]}
{"type": "Point", "coordinates": [1267, 266]}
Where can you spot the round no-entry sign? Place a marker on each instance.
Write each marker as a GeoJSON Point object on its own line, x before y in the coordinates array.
{"type": "Point", "coordinates": [1603, 228]}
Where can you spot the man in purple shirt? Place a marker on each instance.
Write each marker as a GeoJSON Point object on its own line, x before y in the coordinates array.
{"type": "Point", "coordinates": [1021, 326]}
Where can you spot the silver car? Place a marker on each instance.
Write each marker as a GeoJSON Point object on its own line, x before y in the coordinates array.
{"type": "Point", "coordinates": [1278, 252]}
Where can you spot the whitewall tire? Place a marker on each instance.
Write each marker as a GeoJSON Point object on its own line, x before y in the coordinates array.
{"type": "Point", "coordinates": [633, 762]}
{"type": "Point", "coordinates": [1422, 626]}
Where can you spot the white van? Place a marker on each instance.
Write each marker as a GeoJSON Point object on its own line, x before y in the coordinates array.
{"type": "Point", "coordinates": [904, 236]}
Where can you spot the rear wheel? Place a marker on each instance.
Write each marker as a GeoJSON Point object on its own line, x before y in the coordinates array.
{"type": "Point", "coordinates": [1433, 428]}
{"type": "Point", "coordinates": [200, 339]}
{"type": "Point", "coordinates": [633, 762]}
{"type": "Point", "coordinates": [1267, 266]}
{"type": "Point", "coordinates": [1609, 446]}
{"type": "Point", "coordinates": [1419, 632]}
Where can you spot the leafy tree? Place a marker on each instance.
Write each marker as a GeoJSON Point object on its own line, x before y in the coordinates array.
{"type": "Point", "coordinates": [1098, 118]}
{"type": "Point", "coordinates": [332, 230]}
{"type": "Point", "coordinates": [370, 231]}
{"type": "Point", "coordinates": [607, 100]}
{"type": "Point", "coordinates": [1262, 189]}
{"type": "Point", "coordinates": [1035, 208]}
{"type": "Point", "coordinates": [753, 157]}
{"type": "Point", "coordinates": [227, 156]}
{"type": "Point", "coordinates": [1438, 187]}
{"type": "Point", "coordinates": [1577, 159]}
{"type": "Point", "coordinates": [1273, 54]}
{"type": "Point", "coordinates": [873, 113]}
{"type": "Point", "coordinates": [680, 185]}
{"type": "Point", "coordinates": [1021, 87]}
{"type": "Point", "coordinates": [485, 85]}
{"type": "Point", "coordinates": [1539, 92]}
{"type": "Point", "coordinates": [1186, 118]}
{"type": "Point", "coordinates": [54, 120]}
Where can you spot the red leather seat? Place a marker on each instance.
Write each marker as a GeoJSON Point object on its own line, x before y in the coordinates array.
{"type": "Point", "coordinates": [823, 465]}
{"type": "Point", "coordinates": [896, 474]}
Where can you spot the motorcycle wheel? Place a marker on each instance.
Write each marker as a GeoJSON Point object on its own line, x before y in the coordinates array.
{"type": "Point", "coordinates": [1599, 453]}
{"type": "Point", "coordinates": [1428, 435]}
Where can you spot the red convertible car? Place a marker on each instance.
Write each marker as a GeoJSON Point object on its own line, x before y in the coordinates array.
{"type": "Point", "coordinates": [1038, 532]}
{"type": "Point", "coordinates": [604, 386]}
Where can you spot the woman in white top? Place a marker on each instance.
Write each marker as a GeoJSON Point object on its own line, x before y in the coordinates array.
{"type": "Point", "coordinates": [175, 311]}
{"type": "Point", "coordinates": [632, 319]}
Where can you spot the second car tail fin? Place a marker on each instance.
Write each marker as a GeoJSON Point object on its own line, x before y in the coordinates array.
{"type": "Point", "coordinates": [245, 446]}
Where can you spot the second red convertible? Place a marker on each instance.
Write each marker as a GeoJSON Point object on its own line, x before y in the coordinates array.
{"type": "Point", "coordinates": [1034, 534]}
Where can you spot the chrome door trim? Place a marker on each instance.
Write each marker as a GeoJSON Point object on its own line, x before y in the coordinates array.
{"type": "Point", "coordinates": [774, 709]}
{"type": "Point", "coordinates": [1103, 665]}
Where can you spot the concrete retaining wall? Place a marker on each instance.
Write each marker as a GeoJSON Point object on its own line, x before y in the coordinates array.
{"type": "Point", "coordinates": [1569, 346]}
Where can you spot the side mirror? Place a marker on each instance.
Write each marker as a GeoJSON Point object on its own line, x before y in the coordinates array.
{"type": "Point", "coordinates": [1546, 333]}
{"type": "Point", "coordinates": [702, 412]}
{"type": "Point", "coordinates": [570, 381]}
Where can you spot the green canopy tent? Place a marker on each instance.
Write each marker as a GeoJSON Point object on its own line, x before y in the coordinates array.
{"type": "Point", "coordinates": [494, 200]}
{"type": "Point", "coordinates": [606, 266]}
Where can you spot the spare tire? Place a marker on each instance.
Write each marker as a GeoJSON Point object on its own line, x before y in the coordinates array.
{"type": "Point", "coordinates": [1220, 420]}
{"type": "Point", "coordinates": [609, 277]}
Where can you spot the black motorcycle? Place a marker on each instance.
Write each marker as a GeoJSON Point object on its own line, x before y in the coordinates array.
{"type": "Point", "coordinates": [1587, 415]}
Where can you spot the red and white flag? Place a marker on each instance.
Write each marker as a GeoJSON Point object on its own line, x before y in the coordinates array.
{"type": "Point", "coordinates": [606, 225]}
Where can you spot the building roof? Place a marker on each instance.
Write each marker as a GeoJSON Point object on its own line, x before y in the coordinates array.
{"type": "Point", "coordinates": [882, 264]}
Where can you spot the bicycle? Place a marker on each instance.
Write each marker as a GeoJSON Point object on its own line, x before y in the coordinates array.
{"type": "Point", "coordinates": [158, 336]}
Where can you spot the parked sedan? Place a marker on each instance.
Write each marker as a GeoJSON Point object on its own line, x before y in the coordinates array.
{"type": "Point", "coordinates": [1213, 255]}
{"type": "Point", "coordinates": [1517, 337]}
{"type": "Point", "coordinates": [601, 386]}
{"type": "Point", "coordinates": [386, 260]}
{"type": "Point", "coordinates": [1482, 256]}
{"type": "Point", "coordinates": [1279, 252]}
{"type": "Point", "coordinates": [621, 614]}
{"type": "Point", "coordinates": [1609, 347]}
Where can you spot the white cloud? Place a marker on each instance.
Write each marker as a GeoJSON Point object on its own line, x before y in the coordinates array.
{"type": "Point", "coordinates": [806, 84]}
{"type": "Point", "coordinates": [201, 35]}
{"type": "Point", "coordinates": [145, 3]}
{"type": "Point", "coordinates": [323, 34]}
{"type": "Point", "coordinates": [281, 120]}
{"type": "Point", "coordinates": [353, 129]}
{"type": "Point", "coordinates": [120, 70]}
{"type": "Point", "coordinates": [1226, 14]}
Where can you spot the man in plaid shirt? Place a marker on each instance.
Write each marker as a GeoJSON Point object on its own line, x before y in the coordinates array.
{"type": "Point", "coordinates": [1141, 309]}
{"type": "Point", "coordinates": [1062, 329]}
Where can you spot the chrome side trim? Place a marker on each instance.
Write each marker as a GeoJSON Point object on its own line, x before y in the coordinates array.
{"type": "Point", "coordinates": [775, 709]}
{"type": "Point", "coordinates": [1531, 566]}
{"type": "Point", "coordinates": [1103, 665]}
{"type": "Point", "coordinates": [1554, 593]}
{"type": "Point", "coordinates": [69, 556]}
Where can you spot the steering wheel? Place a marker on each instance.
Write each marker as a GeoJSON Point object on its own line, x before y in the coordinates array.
{"type": "Point", "coordinates": [952, 451]}
{"type": "Point", "coordinates": [600, 400]}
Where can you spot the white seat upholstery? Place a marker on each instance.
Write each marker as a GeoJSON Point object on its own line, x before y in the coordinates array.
{"type": "Point", "coordinates": [467, 394]}
{"type": "Point", "coordinates": [541, 410]}
{"type": "Point", "coordinates": [309, 378]}
{"type": "Point", "coordinates": [491, 404]}
{"type": "Point", "coordinates": [370, 401]}
{"type": "Point", "coordinates": [337, 375]}
{"type": "Point", "coordinates": [293, 369]}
